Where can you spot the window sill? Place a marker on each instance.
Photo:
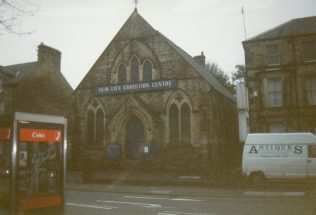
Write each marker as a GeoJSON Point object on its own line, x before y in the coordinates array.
{"type": "Point", "coordinates": [309, 61]}
{"type": "Point", "coordinates": [180, 145]}
{"type": "Point", "coordinates": [275, 107]}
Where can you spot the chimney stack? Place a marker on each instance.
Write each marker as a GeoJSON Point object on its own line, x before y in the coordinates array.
{"type": "Point", "coordinates": [49, 57]}
{"type": "Point", "coordinates": [200, 59]}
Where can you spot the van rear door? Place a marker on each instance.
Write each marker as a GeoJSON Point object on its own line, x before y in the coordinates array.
{"type": "Point", "coordinates": [311, 161]}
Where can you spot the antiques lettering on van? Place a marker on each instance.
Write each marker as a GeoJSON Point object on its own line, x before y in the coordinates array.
{"type": "Point", "coordinates": [275, 150]}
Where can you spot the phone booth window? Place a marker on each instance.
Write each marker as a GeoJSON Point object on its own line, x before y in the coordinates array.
{"type": "Point", "coordinates": [4, 166]}
{"type": "Point", "coordinates": [4, 163]}
{"type": "Point", "coordinates": [39, 162]}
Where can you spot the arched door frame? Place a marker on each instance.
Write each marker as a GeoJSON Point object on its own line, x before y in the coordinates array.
{"type": "Point", "coordinates": [119, 122]}
{"type": "Point", "coordinates": [134, 137]}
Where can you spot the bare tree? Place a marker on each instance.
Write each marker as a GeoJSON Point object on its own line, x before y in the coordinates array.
{"type": "Point", "coordinates": [11, 12]}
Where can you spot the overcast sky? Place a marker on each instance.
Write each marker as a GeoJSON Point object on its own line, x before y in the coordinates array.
{"type": "Point", "coordinates": [82, 29]}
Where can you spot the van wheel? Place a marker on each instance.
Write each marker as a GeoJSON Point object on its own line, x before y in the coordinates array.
{"type": "Point", "coordinates": [257, 179]}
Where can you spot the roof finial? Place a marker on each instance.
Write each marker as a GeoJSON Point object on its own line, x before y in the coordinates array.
{"type": "Point", "coordinates": [136, 2]}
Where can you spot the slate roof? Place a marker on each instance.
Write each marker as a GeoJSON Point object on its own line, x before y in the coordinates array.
{"type": "Point", "coordinates": [19, 70]}
{"type": "Point", "coordinates": [201, 70]}
{"type": "Point", "coordinates": [295, 27]}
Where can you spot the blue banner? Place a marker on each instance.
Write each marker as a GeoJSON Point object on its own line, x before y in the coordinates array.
{"type": "Point", "coordinates": [136, 87]}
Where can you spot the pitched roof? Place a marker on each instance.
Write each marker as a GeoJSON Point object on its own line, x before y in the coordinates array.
{"type": "Point", "coordinates": [201, 70]}
{"type": "Point", "coordinates": [20, 70]}
{"type": "Point", "coordinates": [136, 26]}
{"type": "Point", "coordinates": [295, 27]}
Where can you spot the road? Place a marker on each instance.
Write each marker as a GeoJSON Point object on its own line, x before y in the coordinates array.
{"type": "Point", "coordinates": [138, 200]}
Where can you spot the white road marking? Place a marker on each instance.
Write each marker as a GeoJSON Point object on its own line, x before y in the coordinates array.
{"type": "Point", "coordinates": [146, 205]}
{"type": "Point", "coordinates": [166, 214]}
{"type": "Point", "coordinates": [90, 206]}
{"type": "Point", "coordinates": [164, 198]}
{"type": "Point", "coordinates": [188, 200]}
{"type": "Point", "coordinates": [269, 193]}
{"type": "Point", "coordinates": [146, 197]}
{"type": "Point", "coordinates": [189, 177]}
{"type": "Point", "coordinates": [179, 213]}
{"type": "Point", "coordinates": [160, 191]}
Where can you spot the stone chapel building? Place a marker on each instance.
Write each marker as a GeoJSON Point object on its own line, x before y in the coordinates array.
{"type": "Point", "coordinates": [147, 103]}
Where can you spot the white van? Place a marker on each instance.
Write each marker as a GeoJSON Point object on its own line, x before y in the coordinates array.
{"type": "Point", "coordinates": [279, 156]}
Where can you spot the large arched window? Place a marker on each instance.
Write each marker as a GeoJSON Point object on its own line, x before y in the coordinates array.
{"type": "Point", "coordinates": [122, 74]}
{"type": "Point", "coordinates": [185, 124]}
{"type": "Point", "coordinates": [180, 124]}
{"type": "Point", "coordinates": [147, 71]}
{"type": "Point", "coordinates": [90, 128]}
{"type": "Point", "coordinates": [99, 136]}
{"type": "Point", "coordinates": [95, 124]}
{"type": "Point", "coordinates": [134, 70]}
{"type": "Point", "coordinates": [174, 124]}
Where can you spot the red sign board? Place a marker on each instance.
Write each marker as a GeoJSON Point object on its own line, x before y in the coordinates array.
{"type": "Point", "coordinates": [45, 201]}
{"type": "Point", "coordinates": [40, 135]}
{"type": "Point", "coordinates": [5, 133]}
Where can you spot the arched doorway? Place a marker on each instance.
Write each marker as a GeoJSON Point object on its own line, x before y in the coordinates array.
{"type": "Point", "coordinates": [134, 138]}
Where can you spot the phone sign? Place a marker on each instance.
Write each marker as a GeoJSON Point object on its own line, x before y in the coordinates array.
{"type": "Point", "coordinates": [40, 135]}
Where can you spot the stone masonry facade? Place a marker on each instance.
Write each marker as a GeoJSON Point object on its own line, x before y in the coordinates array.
{"type": "Point", "coordinates": [185, 121]}
{"type": "Point", "coordinates": [35, 87]}
{"type": "Point", "coordinates": [281, 78]}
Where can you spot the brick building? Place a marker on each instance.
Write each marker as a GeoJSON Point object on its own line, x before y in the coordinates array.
{"type": "Point", "coordinates": [35, 87]}
{"type": "Point", "coordinates": [147, 103]}
{"type": "Point", "coordinates": [281, 77]}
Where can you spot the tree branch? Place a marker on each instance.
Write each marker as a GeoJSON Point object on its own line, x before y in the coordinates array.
{"type": "Point", "coordinates": [10, 12]}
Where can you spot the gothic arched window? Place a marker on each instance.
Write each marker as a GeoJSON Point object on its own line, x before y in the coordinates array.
{"type": "Point", "coordinates": [185, 124]}
{"type": "Point", "coordinates": [122, 75]}
{"type": "Point", "coordinates": [95, 124]}
{"type": "Point", "coordinates": [99, 134]}
{"type": "Point", "coordinates": [180, 124]}
{"type": "Point", "coordinates": [174, 124]}
{"type": "Point", "coordinates": [134, 70]}
{"type": "Point", "coordinates": [147, 69]}
{"type": "Point", "coordinates": [90, 128]}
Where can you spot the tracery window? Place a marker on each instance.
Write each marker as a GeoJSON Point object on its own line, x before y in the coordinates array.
{"type": "Point", "coordinates": [180, 124]}
{"type": "Point", "coordinates": [174, 124]}
{"type": "Point", "coordinates": [95, 125]}
{"type": "Point", "coordinates": [122, 74]}
{"type": "Point", "coordinates": [134, 70]}
{"type": "Point", "coordinates": [185, 124]}
{"type": "Point", "coordinates": [99, 136]}
{"type": "Point", "coordinates": [147, 71]}
{"type": "Point", "coordinates": [90, 128]}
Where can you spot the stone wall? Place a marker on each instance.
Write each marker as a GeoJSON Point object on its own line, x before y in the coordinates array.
{"type": "Point", "coordinates": [295, 113]}
{"type": "Point", "coordinates": [213, 118]}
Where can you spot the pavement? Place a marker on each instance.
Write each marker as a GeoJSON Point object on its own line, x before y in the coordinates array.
{"type": "Point", "coordinates": [161, 183]}
{"type": "Point", "coordinates": [151, 179]}
{"type": "Point", "coordinates": [109, 181]}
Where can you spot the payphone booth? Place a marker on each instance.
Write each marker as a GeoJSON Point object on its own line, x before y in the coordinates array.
{"type": "Point", "coordinates": [33, 164]}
